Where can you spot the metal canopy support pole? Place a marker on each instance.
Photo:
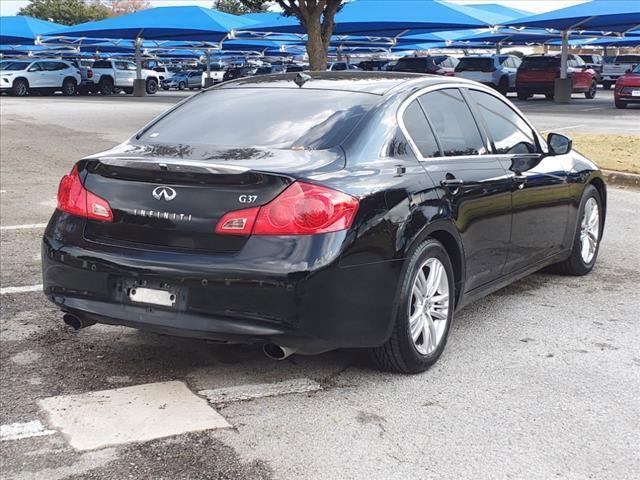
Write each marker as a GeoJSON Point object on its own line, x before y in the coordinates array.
{"type": "Point", "coordinates": [208, 81]}
{"type": "Point", "coordinates": [498, 48]}
{"type": "Point", "coordinates": [562, 87]}
{"type": "Point", "coordinates": [139, 85]}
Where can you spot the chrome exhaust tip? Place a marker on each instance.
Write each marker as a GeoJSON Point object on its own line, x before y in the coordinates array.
{"type": "Point", "coordinates": [76, 322]}
{"type": "Point", "coordinates": [276, 352]}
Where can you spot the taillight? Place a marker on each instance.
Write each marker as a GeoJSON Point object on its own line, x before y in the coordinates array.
{"type": "Point", "coordinates": [73, 198]}
{"type": "Point", "coordinates": [302, 209]}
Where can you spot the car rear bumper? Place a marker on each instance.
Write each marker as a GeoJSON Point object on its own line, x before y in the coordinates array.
{"type": "Point", "coordinates": [546, 87]}
{"type": "Point", "coordinates": [287, 290]}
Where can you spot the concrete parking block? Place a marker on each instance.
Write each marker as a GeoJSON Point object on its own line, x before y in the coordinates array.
{"type": "Point", "coordinates": [131, 414]}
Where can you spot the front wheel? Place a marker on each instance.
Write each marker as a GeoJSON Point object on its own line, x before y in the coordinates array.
{"type": "Point", "coordinates": [586, 242]}
{"type": "Point", "coordinates": [20, 88]}
{"type": "Point", "coordinates": [523, 94]}
{"type": "Point", "coordinates": [69, 87]}
{"type": "Point", "coordinates": [152, 86]}
{"type": "Point", "coordinates": [424, 312]}
{"type": "Point", "coordinates": [593, 89]}
{"type": "Point", "coordinates": [549, 96]}
{"type": "Point", "coordinates": [606, 85]}
{"type": "Point", "coordinates": [182, 86]}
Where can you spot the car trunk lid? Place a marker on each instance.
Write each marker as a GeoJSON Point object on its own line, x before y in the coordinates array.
{"type": "Point", "coordinates": [162, 197]}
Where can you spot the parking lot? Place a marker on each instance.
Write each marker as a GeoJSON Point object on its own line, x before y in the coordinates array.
{"type": "Point", "coordinates": [539, 380]}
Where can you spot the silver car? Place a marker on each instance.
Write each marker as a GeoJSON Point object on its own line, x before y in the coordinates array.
{"type": "Point", "coordinates": [189, 79]}
{"type": "Point", "coordinates": [497, 71]}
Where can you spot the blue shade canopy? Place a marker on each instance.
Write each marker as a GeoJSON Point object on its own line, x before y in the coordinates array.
{"type": "Point", "coordinates": [601, 15]}
{"type": "Point", "coordinates": [511, 13]}
{"type": "Point", "coordinates": [20, 30]}
{"type": "Point", "coordinates": [383, 17]}
{"type": "Point", "coordinates": [163, 23]}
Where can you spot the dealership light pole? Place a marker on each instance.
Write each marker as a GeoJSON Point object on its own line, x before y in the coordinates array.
{"type": "Point", "coordinates": [139, 86]}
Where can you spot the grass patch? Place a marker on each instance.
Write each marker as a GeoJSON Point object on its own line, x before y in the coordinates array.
{"type": "Point", "coordinates": [611, 152]}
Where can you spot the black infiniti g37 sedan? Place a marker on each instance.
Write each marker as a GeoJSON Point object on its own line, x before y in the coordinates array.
{"type": "Point", "coordinates": [321, 211]}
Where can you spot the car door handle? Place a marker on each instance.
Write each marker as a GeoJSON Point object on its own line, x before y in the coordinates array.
{"type": "Point", "coordinates": [451, 184]}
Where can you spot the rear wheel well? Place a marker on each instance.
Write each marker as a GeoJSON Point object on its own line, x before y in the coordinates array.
{"type": "Point", "coordinates": [106, 78]}
{"type": "Point", "coordinates": [453, 250]}
{"type": "Point", "coordinates": [70, 78]}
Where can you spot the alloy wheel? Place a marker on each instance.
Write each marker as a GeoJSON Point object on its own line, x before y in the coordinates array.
{"type": "Point", "coordinates": [429, 306]}
{"type": "Point", "coordinates": [589, 230]}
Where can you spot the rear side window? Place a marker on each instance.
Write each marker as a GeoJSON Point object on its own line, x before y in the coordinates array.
{"type": "Point", "coordinates": [305, 118]}
{"type": "Point", "coordinates": [419, 130]}
{"type": "Point", "coordinates": [453, 123]}
{"type": "Point", "coordinates": [509, 132]}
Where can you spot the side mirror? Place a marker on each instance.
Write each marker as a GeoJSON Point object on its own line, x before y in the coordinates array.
{"type": "Point", "coordinates": [32, 69]}
{"type": "Point", "coordinates": [559, 144]}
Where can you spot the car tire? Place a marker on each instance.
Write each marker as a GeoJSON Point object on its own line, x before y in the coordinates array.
{"type": "Point", "coordinates": [549, 96]}
{"type": "Point", "coordinates": [593, 90]}
{"type": "Point", "coordinates": [128, 91]}
{"type": "Point", "coordinates": [621, 105]}
{"type": "Point", "coordinates": [414, 353]}
{"type": "Point", "coordinates": [20, 88]}
{"type": "Point", "coordinates": [152, 86]}
{"type": "Point", "coordinates": [106, 86]}
{"type": "Point", "coordinates": [182, 86]}
{"type": "Point", "coordinates": [503, 85]}
{"type": "Point", "coordinates": [69, 87]}
{"type": "Point", "coordinates": [578, 263]}
{"type": "Point", "coordinates": [523, 95]}
{"type": "Point", "coordinates": [607, 85]}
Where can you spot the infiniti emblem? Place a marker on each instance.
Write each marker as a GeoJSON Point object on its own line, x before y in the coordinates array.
{"type": "Point", "coordinates": [164, 193]}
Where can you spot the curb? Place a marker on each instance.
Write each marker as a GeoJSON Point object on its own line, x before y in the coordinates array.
{"type": "Point", "coordinates": [621, 179]}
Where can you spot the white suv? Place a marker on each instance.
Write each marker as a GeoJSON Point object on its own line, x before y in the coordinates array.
{"type": "Point", "coordinates": [497, 71]}
{"type": "Point", "coordinates": [47, 76]}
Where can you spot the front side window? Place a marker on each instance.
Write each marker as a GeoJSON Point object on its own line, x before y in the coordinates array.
{"type": "Point", "coordinates": [453, 123]}
{"type": "Point", "coordinates": [419, 130]}
{"type": "Point", "coordinates": [510, 133]}
{"type": "Point", "coordinates": [305, 118]}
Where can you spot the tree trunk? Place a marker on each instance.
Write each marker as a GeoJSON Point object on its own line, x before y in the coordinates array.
{"type": "Point", "coordinates": [315, 45]}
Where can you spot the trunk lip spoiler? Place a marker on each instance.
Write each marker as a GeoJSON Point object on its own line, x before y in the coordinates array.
{"type": "Point", "coordinates": [209, 166]}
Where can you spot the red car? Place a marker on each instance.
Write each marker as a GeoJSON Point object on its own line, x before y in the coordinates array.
{"type": "Point", "coordinates": [537, 74]}
{"type": "Point", "coordinates": [628, 88]}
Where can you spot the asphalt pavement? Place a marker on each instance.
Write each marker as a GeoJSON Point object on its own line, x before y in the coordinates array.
{"type": "Point", "coordinates": [538, 381]}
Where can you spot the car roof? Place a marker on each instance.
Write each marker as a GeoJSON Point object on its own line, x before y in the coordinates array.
{"type": "Point", "coordinates": [377, 83]}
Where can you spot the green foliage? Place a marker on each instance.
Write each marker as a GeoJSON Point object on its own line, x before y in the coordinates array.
{"type": "Point", "coordinates": [66, 12]}
{"type": "Point", "coordinates": [240, 7]}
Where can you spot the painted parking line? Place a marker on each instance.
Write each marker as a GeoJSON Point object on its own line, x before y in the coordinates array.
{"type": "Point", "coordinates": [26, 226]}
{"type": "Point", "coordinates": [130, 414]}
{"type": "Point", "coordinates": [26, 288]}
{"type": "Point", "coordinates": [592, 109]}
{"type": "Point", "coordinates": [17, 431]}
{"type": "Point", "coordinates": [262, 390]}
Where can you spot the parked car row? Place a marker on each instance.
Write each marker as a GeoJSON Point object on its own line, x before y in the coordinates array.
{"type": "Point", "coordinates": [22, 77]}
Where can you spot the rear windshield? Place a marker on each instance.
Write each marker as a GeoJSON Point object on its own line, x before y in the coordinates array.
{"type": "Point", "coordinates": [244, 117]}
{"type": "Point", "coordinates": [101, 64]}
{"type": "Point", "coordinates": [14, 66]}
{"type": "Point", "coordinates": [412, 64]}
{"type": "Point", "coordinates": [475, 65]}
{"type": "Point", "coordinates": [540, 63]}
{"type": "Point", "coordinates": [627, 59]}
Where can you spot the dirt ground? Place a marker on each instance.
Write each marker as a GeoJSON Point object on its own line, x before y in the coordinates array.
{"type": "Point", "coordinates": [611, 152]}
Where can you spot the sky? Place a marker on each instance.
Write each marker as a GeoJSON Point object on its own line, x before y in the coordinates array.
{"type": "Point", "coordinates": [11, 7]}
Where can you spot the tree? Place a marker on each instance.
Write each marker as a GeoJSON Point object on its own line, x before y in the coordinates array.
{"type": "Point", "coordinates": [66, 12]}
{"type": "Point", "coordinates": [123, 7]}
{"type": "Point", "coordinates": [318, 18]}
{"type": "Point", "coordinates": [240, 7]}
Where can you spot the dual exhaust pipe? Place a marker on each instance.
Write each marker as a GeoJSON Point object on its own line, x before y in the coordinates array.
{"type": "Point", "coordinates": [271, 350]}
